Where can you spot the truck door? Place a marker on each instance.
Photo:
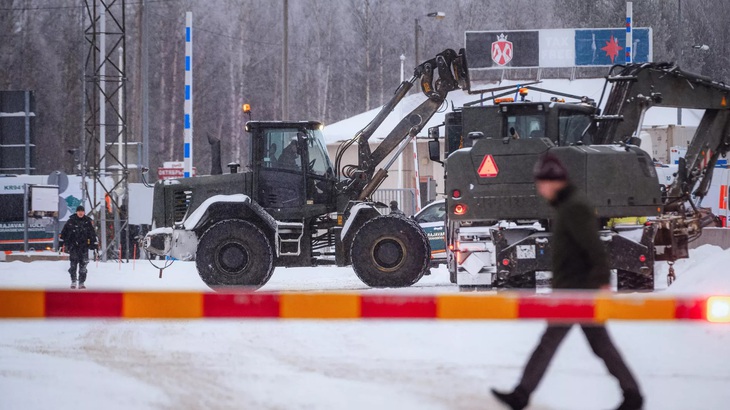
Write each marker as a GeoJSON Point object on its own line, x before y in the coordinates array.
{"type": "Point", "coordinates": [320, 173]}
{"type": "Point", "coordinates": [281, 172]}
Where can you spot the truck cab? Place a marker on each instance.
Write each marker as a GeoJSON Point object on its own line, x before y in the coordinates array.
{"type": "Point", "coordinates": [560, 122]}
{"type": "Point", "coordinates": [498, 227]}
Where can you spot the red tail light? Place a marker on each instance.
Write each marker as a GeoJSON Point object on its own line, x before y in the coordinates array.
{"type": "Point", "coordinates": [642, 258]}
{"type": "Point", "coordinates": [460, 209]}
{"type": "Point", "coordinates": [505, 262]}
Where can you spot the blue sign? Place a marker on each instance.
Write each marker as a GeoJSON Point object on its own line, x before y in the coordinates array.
{"type": "Point", "coordinates": [608, 46]}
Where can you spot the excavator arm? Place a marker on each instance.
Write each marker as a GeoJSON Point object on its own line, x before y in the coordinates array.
{"type": "Point", "coordinates": [361, 179]}
{"type": "Point", "coordinates": [637, 87]}
{"type": "Point", "coordinates": [634, 89]}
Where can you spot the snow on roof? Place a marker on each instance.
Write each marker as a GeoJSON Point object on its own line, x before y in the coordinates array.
{"type": "Point", "coordinates": [591, 87]}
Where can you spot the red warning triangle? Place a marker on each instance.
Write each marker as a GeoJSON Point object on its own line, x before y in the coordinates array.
{"type": "Point", "coordinates": [488, 169]}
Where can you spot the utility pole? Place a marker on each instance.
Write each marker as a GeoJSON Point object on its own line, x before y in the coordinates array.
{"type": "Point", "coordinates": [418, 57]}
{"type": "Point", "coordinates": [680, 46]}
{"type": "Point", "coordinates": [145, 87]}
{"type": "Point", "coordinates": [285, 66]}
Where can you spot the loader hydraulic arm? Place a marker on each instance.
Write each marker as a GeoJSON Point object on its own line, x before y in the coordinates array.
{"type": "Point", "coordinates": [362, 180]}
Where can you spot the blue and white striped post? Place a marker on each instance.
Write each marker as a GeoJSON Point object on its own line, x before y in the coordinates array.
{"type": "Point", "coordinates": [629, 33]}
{"type": "Point", "coordinates": [188, 106]}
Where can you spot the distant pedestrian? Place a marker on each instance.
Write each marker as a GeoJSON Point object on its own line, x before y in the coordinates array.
{"type": "Point", "coordinates": [579, 261]}
{"type": "Point", "coordinates": [394, 208]}
{"type": "Point", "coordinates": [78, 237]}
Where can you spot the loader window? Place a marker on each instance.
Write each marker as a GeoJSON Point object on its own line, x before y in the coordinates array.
{"type": "Point", "coordinates": [572, 125]}
{"type": "Point", "coordinates": [526, 126]}
{"type": "Point", "coordinates": [280, 149]}
{"type": "Point", "coordinates": [319, 161]}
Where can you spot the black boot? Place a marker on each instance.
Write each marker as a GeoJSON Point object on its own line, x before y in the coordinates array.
{"type": "Point", "coordinates": [632, 401]}
{"type": "Point", "coordinates": [517, 400]}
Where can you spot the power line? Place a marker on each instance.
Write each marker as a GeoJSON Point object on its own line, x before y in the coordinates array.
{"type": "Point", "coordinates": [76, 7]}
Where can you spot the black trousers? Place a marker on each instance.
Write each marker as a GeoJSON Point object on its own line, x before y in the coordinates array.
{"type": "Point", "coordinates": [601, 344]}
{"type": "Point", "coordinates": [79, 259]}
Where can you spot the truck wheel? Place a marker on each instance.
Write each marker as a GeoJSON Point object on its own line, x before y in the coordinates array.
{"type": "Point", "coordinates": [390, 251]}
{"type": "Point", "coordinates": [234, 253]}
{"type": "Point", "coordinates": [525, 281]}
{"type": "Point", "coordinates": [627, 280]}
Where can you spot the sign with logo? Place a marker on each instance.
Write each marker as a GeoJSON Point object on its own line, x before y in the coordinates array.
{"type": "Point", "coordinates": [607, 46]}
{"type": "Point", "coordinates": [502, 50]}
{"type": "Point", "coordinates": [494, 49]}
{"type": "Point", "coordinates": [554, 47]}
{"type": "Point", "coordinates": [173, 173]}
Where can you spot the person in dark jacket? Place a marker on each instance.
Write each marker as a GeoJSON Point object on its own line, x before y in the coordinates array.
{"type": "Point", "coordinates": [78, 237]}
{"type": "Point", "coordinates": [580, 261]}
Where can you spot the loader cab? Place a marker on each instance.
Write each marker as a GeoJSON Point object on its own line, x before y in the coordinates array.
{"type": "Point", "coordinates": [293, 174]}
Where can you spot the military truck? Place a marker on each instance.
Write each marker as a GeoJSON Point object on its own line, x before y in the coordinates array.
{"type": "Point", "coordinates": [292, 206]}
{"type": "Point", "coordinates": [498, 229]}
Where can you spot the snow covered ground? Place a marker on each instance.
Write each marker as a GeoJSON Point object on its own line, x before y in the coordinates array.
{"type": "Point", "coordinates": [268, 364]}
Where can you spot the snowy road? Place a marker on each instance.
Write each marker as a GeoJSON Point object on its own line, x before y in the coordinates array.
{"type": "Point", "coordinates": [77, 364]}
{"type": "Point", "coordinates": [333, 365]}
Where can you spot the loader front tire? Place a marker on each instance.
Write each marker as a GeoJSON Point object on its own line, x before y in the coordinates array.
{"type": "Point", "coordinates": [234, 254]}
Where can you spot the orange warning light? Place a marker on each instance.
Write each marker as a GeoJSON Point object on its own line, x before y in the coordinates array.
{"type": "Point", "coordinates": [718, 309]}
{"type": "Point", "coordinates": [723, 102]}
{"type": "Point", "coordinates": [488, 169]}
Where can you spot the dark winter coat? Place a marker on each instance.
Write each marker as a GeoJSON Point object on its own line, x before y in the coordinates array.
{"type": "Point", "coordinates": [580, 260]}
{"type": "Point", "coordinates": [78, 234]}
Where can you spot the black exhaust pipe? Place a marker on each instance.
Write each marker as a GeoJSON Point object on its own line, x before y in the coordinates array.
{"type": "Point", "coordinates": [215, 156]}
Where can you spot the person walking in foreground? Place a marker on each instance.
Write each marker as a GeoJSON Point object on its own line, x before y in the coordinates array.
{"type": "Point", "coordinates": [579, 261]}
{"type": "Point", "coordinates": [78, 237]}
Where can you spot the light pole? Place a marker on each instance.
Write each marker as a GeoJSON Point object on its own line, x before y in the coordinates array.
{"type": "Point", "coordinates": [438, 15]}
{"type": "Point", "coordinates": [285, 66]}
{"type": "Point", "coordinates": [400, 114]}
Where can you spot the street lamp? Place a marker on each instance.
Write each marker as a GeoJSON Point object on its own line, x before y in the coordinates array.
{"type": "Point", "coordinates": [438, 15]}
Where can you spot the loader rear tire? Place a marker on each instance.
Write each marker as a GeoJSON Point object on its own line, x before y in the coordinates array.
{"type": "Point", "coordinates": [390, 251]}
{"type": "Point", "coordinates": [234, 254]}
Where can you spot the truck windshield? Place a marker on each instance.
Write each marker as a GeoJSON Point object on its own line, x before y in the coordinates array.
{"type": "Point", "coordinates": [526, 126]}
{"type": "Point", "coordinates": [572, 126]}
{"type": "Point", "coordinates": [319, 161]}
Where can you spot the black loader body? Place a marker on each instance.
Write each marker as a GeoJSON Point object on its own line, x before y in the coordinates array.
{"type": "Point", "coordinates": [291, 206]}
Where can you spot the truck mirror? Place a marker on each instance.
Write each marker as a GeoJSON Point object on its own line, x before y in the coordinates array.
{"type": "Point", "coordinates": [434, 150]}
{"type": "Point", "coordinates": [433, 133]}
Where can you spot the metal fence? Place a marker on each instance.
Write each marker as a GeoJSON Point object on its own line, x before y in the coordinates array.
{"type": "Point", "coordinates": [405, 197]}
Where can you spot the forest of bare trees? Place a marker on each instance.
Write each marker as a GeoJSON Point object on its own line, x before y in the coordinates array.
{"type": "Point", "coordinates": [343, 57]}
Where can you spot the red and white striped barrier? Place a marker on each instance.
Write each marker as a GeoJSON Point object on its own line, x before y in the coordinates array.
{"type": "Point", "coordinates": [583, 307]}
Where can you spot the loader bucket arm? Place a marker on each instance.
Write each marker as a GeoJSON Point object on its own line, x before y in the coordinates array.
{"type": "Point", "coordinates": [452, 74]}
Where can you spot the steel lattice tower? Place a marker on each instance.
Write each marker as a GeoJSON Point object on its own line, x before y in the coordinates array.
{"type": "Point", "coordinates": [105, 136]}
